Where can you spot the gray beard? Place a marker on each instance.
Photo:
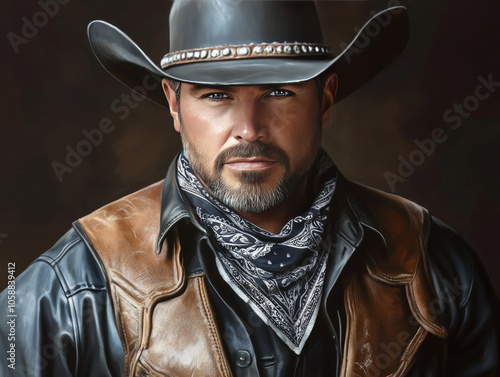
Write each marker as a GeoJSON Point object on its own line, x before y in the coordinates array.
{"type": "Point", "coordinates": [252, 196]}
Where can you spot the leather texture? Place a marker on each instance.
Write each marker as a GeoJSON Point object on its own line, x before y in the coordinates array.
{"type": "Point", "coordinates": [416, 299]}
{"type": "Point", "coordinates": [247, 21]}
{"type": "Point", "coordinates": [387, 299]}
{"type": "Point", "coordinates": [165, 322]}
{"type": "Point", "coordinates": [65, 324]}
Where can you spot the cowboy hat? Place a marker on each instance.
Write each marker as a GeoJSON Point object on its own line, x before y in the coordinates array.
{"type": "Point", "coordinates": [250, 42]}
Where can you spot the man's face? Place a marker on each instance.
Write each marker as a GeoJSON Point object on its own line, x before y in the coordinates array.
{"type": "Point", "coordinates": [252, 146]}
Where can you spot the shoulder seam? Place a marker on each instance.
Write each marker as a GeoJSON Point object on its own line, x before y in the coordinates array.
{"type": "Point", "coordinates": [68, 290]}
{"type": "Point", "coordinates": [60, 255]}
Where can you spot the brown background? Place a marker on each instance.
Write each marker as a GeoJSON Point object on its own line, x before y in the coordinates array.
{"type": "Point", "coordinates": [53, 88]}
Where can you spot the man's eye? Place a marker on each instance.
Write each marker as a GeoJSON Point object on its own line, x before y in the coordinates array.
{"type": "Point", "coordinates": [281, 93]}
{"type": "Point", "coordinates": [216, 96]}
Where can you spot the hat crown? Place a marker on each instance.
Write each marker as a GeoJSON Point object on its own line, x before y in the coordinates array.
{"type": "Point", "coordinates": [208, 23]}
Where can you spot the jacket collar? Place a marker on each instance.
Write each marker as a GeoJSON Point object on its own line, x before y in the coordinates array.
{"type": "Point", "coordinates": [351, 217]}
{"type": "Point", "coordinates": [173, 207]}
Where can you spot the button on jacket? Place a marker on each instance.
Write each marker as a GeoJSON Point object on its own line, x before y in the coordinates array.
{"type": "Point", "coordinates": [132, 290]}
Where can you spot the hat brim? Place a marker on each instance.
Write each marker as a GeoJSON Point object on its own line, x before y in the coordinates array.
{"type": "Point", "coordinates": [377, 45]}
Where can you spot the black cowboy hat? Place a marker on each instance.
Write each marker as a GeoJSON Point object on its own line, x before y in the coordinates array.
{"type": "Point", "coordinates": [250, 42]}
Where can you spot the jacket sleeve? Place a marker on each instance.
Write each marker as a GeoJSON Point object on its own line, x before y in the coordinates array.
{"type": "Point", "coordinates": [60, 320]}
{"type": "Point", "coordinates": [38, 334]}
{"type": "Point", "coordinates": [470, 304]}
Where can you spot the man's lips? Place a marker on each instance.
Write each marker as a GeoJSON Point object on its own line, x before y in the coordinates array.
{"type": "Point", "coordinates": [252, 163]}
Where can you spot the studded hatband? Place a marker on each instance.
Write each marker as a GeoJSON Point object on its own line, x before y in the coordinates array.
{"type": "Point", "coordinates": [262, 50]}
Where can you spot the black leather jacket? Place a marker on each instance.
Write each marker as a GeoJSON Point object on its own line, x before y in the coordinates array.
{"type": "Point", "coordinates": [65, 324]}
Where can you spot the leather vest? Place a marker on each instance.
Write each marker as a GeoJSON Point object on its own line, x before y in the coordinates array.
{"type": "Point", "coordinates": [166, 323]}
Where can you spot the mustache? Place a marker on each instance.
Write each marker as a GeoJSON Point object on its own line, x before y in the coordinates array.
{"type": "Point", "coordinates": [248, 150]}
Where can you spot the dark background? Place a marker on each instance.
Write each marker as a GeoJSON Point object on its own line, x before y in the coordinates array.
{"type": "Point", "coordinates": [53, 88]}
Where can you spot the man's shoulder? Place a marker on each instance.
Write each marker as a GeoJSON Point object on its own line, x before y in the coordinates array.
{"type": "Point", "coordinates": [408, 226]}
{"type": "Point", "coordinates": [453, 264]}
{"type": "Point", "coordinates": [125, 236]}
{"type": "Point", "coordinates": [402, 225]}
{"type": "Point", "coordinates": [390, 207]}
{"type": "Point", "coordinates": [448, 257]}
{"type": "Point", "coordinates": [137, 201]}
{"type": "Point", "coordinates": [73, 261]}
{"type": "Point", "coordinates": [131, 221]}
{"type": "Point", "coordinates": [423, 252]}
{"type": "Point", "coordinates": [69, 263]}
{"type": "Point", "coordinates": [396, 215]}
{"type": "Point", "coordinates": [132, 217]}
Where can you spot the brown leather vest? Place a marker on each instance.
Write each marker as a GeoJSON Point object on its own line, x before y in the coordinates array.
{"type": "Point", "coordinates": [166, 323]}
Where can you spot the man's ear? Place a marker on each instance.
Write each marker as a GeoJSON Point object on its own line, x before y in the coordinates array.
{"type": "Point", "coordinates": [329, 93]}
{"type": "Point", "coordinates": [172, 103]}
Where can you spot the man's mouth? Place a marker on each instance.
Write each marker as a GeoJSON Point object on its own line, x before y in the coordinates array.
{"type": "Point", "coordinates": [250, 163]}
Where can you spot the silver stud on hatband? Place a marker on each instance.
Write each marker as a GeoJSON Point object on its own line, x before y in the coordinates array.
{"type": "Point", "coordinates": [243, 51]}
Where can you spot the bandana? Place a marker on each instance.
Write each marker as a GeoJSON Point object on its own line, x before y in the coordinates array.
{"type": "Point", "coordinates": [279, 275]}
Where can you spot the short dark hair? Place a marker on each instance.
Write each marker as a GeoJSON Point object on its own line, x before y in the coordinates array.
{"type": "Point", "coordinates": [175, 85]}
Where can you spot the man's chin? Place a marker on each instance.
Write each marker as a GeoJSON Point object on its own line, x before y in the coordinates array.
{"type": "Point", "coordinates": [250, 195]}
{"type": "Point", "coordinates": [248, 179]}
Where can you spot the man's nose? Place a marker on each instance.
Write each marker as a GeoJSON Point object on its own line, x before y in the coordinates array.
{"type": "Point", "coordinates": [249, 123]}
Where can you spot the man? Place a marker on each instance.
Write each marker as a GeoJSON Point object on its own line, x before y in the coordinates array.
{"type": "Point", "coordinates": [254, 257]}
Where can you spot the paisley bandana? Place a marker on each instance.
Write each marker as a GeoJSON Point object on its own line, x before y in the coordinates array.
{"type": "Point", "coordinates": [279, 275]}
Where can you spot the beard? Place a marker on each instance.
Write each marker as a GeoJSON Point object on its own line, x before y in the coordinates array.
{"type": "Point", "coordinates": [252, 193]}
